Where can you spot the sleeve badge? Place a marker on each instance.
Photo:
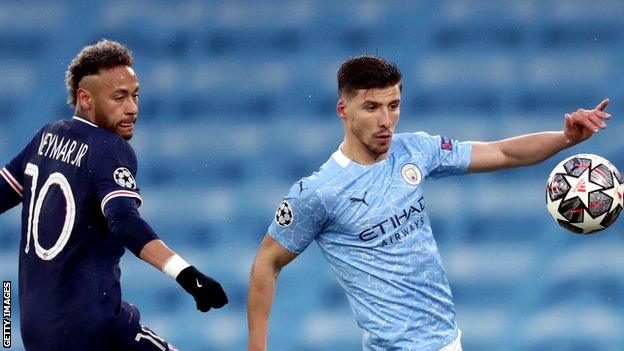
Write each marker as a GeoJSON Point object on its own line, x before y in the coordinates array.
{"type": "Point", "coordinates": [123, 177]}
{"type": "Point", "coordinates": [284, 215]}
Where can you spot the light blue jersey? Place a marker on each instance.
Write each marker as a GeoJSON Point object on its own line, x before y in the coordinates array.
{"type": "Point", "coordinates": [371, 225]}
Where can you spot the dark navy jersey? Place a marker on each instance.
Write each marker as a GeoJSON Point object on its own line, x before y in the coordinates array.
{"type": "Point", "coordinates": [69, 290]}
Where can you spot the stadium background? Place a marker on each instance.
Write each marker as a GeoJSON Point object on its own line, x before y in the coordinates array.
{"type": "Point", "coordinates": [237, 103]}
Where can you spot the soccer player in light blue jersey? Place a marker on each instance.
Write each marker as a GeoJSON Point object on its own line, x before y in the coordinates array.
{"type": "Point", "coordinates": [366, 210]}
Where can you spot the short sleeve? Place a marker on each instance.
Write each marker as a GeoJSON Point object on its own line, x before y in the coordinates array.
{"type": "Point", "coordinates": [447, 157]}
{"type": "Point", "coordinates": [298, 220]}
{"type": "Point", "coordinates": [113, 173]}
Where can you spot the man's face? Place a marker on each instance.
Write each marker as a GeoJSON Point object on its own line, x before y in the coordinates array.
{"type": "Point", "coordinates": [371, 116]}
{"type": "Point", "coordinates": [115, 99]}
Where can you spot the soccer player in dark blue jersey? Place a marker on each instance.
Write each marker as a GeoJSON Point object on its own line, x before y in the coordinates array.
{"type": "Point", "coordinates": [76, 181]}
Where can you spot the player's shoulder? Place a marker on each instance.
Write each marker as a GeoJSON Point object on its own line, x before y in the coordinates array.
{"type": "Point", "coordinates": [102, 144]}
{"type": "Point", "coordinates": [105, 142]}
{"type": "Point", "coordinates": [107, 139]}
{"type": "Point", "coordinates": [109, 142]}
{"type": "Point", "coordinates": [418, 138]}
{"type": "Point", "coordinates": [312, 185]}
{"type": "Point", "coordinates": [89, 132]}
{"type": "Point", "coordinates": [307, 186]}
{"type": "Point", "coordinates": [416, 141]}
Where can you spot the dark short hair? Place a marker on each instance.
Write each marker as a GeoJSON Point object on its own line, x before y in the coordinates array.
{"type": "Point", "coordinates": [367, 72]}
{"type": "Point", "coordinates": [90, 60]}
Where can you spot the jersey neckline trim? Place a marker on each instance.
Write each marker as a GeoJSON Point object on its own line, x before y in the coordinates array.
{"type": "Point", "coordinates": [344, 161]}
{"type": "Point", "coordinates": [341, 158]}
{"type": "Point", "coordinates": [84, 121]}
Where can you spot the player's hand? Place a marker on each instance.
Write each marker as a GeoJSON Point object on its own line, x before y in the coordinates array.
{"type": "Point", "coordinates": [582, 124]}
{"type": "Point", "coordinates": [207, 292]}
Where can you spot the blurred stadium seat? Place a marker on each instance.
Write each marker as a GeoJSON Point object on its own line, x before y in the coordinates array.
{"type": "Point", "coordinates": [238, 102]}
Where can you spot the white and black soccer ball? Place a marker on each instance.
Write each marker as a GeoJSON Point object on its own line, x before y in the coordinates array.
{"type": "Point", "coordinates": [584, 193]}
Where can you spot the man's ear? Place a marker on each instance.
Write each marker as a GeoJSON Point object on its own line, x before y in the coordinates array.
{"type": "Point", "coordinates": [84, 100]}
{"type": "Point", "coordinates": [341, 109]}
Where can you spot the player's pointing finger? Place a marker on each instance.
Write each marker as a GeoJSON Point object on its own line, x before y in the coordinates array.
{"type": "Point", "coordinates": [602, 104]}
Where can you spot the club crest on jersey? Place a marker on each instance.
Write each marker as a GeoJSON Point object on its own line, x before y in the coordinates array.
{"type": "Point", "coordinates": [411, 174]}
{"type": "Point", "coordinates": [284, 215]}
{"type": "Point", "coordinates": [124, 178]}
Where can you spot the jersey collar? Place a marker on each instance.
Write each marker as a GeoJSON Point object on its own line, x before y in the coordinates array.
{"type": "Point", "coordinates": [341, 158]}
{"type": "Point", "coordinates": [84, 121]}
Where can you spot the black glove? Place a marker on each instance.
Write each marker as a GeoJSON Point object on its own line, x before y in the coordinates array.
{"type": "Point", "coordinates": [207, 292]}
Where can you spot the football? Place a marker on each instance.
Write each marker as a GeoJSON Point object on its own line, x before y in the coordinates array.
{"type": "Point", "coordinates": [584, 193]}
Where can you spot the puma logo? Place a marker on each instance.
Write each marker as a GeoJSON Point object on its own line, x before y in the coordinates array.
{"type": "Point", "coordinates": [301, 188]}
{"type": "Point", "coordinates": [362, 200]}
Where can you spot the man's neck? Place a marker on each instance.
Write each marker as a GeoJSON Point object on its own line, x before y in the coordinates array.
{"type": "Point", "coordinates": [358, 153]}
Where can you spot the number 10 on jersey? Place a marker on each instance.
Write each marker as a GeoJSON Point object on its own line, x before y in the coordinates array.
{"type": "Point", "coordinates": [35, 208]}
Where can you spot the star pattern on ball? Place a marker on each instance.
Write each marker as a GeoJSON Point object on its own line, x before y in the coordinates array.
{"type": "Point", "coordinates": [591, 224]}
{"type": "Point", "coordinates": [557, 214]}
{"type": "Point", "coordinates": [581, 186]}
{"type": "Point", "coordinates": [616, 194]}
{"type": "Point", "coordinates": [584, 199]}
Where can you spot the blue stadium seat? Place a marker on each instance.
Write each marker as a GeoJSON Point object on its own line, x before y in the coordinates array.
{"type": "Point", "coordinates": [238, 103]}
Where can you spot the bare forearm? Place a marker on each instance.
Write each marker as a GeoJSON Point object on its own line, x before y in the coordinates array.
{"type": "Point", "coordinates": [519, 151]}
{"type": "Point", "coordinates": [271, 258]}
{"type": "Point", "coordinates": [156, 253]}
{"type": "Point", "coordinates": [530, 149]}
{"type": "Point", "coordinates": [259, 301]}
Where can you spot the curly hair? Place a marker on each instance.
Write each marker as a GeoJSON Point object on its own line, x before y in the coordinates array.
{"type": "Point", "coordinates": [104, 54]}
{"type": "Point", "coordinates": [366, 72]}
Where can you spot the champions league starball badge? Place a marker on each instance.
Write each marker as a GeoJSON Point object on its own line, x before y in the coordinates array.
{"type": "Point", "coordinates": [411, 174]}
{"type": "Point", "coordinates": [284, 215]}
{"type": "Point", "coordinates": [124, 178]}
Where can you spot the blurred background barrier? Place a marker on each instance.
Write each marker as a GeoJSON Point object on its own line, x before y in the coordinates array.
{"type": "Point", "coordinates": [238, 102]}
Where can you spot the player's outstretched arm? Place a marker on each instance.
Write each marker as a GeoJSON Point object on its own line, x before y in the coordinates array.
{"type": "Point", "coordinates": [125, 224]}
{"type": "Point", "coordinates": [530, 149]}
{"type": "Point", "coordinates": [271, 258]}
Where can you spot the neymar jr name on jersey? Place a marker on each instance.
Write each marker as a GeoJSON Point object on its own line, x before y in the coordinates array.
{"type": "Point", "coordinates": [62, 149]}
